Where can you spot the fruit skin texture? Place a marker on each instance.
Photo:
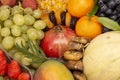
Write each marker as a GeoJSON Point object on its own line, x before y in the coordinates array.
{"type": "Point", "coordinates": [56, 40]}
{"type": "Point", "coordinates": [52, 5]}
{"type": "Point", "coordinates": [89, 28]}
{"type": "Point", "coordinates": [14, 69]}
{"type": "Point", "coordinates": [29, 3]}
{"type": "Point", "coordinates": [79, 8]}
{"type": "Point", "coordinates": [3, 63]}
{"type": "Point", "coordinates": [53, 70]}
{"type": "Point", "coordinates": [24, 76]}
{"type": "Point", "coordinates": [9, 2]}
{"type": "Point", "coordinates": [101, 59]}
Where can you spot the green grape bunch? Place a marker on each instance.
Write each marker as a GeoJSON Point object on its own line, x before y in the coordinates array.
{"type": "Point", "coordinates": [18, 24]}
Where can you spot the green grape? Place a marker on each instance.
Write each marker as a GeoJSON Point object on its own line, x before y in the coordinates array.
{"type": "Point", "coordinates": [5, 31]}
{"type": "Point", "coordinates": [0, 27]}
{"type": "Point", "coordinates": [18, 19]}
{"type": "Point", "coordinates": [18, 55]}
{"type": "Point", "coordinates": [8, 42]}
{"type": "Point", "coordinates": [8, 23]}
{"type": "Point", "coordinates": [1, 38]}
{"type": "Point", "coordinates": [5, 7]}
{"type": "Point", "coordinates": [16, 30]}
{"type": "Point", "coordinates": [24, 36]}
{"type": "Point", "coordinates": [32, 34]}
{"type": "Point", "coordinates": [39, 24]}
{"type": "Point", "coordinates": [24, 28]}
{"type": "Point", "coordinates": [28, 11]}
{"type": "Point", "coordinates": [1, 78]}
{"type": "Point", "coordinates": [4, 14]}
{"type": "Point", "coordinates": [12, 50]}
{"type": "Point", "coordinates": [37, 13]}
{"type": "Point", "coordinates": [29, 20]}
{"type": "Point", "coordinates": [40, 34]}
{"type": "Point", "coordinates": [16, 10]}
{"type": "Point", "coordinates": [26, 61]}
{"type": "Point", "coordinates": [20, 41]}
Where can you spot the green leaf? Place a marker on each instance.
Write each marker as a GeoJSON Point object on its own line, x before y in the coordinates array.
{"type": "Point", "coordinates": [94, 10]}
{"type": "Point", "coordinates": [108, 23]}
{"type": "Point", "coordinates": [37, 54]}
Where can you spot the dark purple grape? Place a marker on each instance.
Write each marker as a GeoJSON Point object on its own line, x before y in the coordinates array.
{"type": "Point", "coordinates": [113, 17]}
{"type": "Point", "coordinates": [104, 29]}
{"type": "Point", "coordinates": [117, 1]}
{"type": "Point", "coordinates": [111, 4]}
{"type": "Point", "coordinates": [114, 12]}
{"type": "Point", "coordinates": [108, 11]}
{"type": "Point", "coordinates": [105, 1]}
{"type": "Point", "coordinates": [118, 21]}
{"type": "Point", "coordinates": [103, 8]}
{"type": "Point", "coordinates": [100, 3]}
{"type": "Point", "coordinates": [118, 8]}
{"type": "Point", "coordinates": [102, 14]}
{"type": "Point", "coordinates": [118, 15]}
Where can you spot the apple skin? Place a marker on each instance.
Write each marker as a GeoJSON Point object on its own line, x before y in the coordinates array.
{"type": "Point", "coordinates": [53, 70]}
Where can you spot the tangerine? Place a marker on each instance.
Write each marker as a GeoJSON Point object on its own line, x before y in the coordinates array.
{"type": "Point", "coordinates": [88, 27]}
{"type": "Point", "coordinates": [79, 8]}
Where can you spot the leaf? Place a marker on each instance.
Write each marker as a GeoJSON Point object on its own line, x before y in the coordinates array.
{"type": "Point", "coordinates": [108, 23]}
{"type": "Point", "coordinates": [37, 55]}
{"type": "Point", "coordinates": [94, 10]}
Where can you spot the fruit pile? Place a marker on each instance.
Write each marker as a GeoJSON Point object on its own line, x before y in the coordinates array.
{"type": "Point", "coordinates": [11, 69]}
{"type": "Point", "coordinates": [18, 24]}
{"type": "Point", "coordinates": [109, 8]}
{"type": "Point", "coordinates": [50, 39]}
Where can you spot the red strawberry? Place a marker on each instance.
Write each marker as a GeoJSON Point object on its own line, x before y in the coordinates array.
{"type": "Point", "coordinates": [9, 2]}
{"type": "Point", "coordinates": [14, 69]}
{"type": "Point", "coordinates": [3, 63]}
{"type": "Point", "coordinates": [24, 76]}
{"type": "Point", "coordinates": [29, 3]}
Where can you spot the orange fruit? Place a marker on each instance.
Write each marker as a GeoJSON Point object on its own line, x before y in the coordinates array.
{"type": "Point", "coordinates": [87, 27]}
{"type": "Point", "coordinates": [79, 8]}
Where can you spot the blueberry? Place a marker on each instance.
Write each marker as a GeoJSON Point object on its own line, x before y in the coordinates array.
{"type": "Point", "coordinates": [111, 4]}
{"type": "Point", "coordinates": [103, 8]}
{"type": "Point", "coordinates": [108, 11]}
{"type": "Point", "coordinates": [118, 8]}
{"type": "Point", "coordinates": [113, 17]}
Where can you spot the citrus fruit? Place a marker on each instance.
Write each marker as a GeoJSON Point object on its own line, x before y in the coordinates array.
{"type": "Point", "coordinates": [88, 27]}
{"type": "Point", "coordinates": [79, 8]}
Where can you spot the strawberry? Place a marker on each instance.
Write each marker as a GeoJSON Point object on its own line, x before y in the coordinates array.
{"type": "Point", "coordinates": [14, 69]}
{"type": "Point", "coordinates": [3, 63]}
{"type": "Point", "coordinates": [29, 3]}
{"type": "Point", "coordinates": [24, 76]}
